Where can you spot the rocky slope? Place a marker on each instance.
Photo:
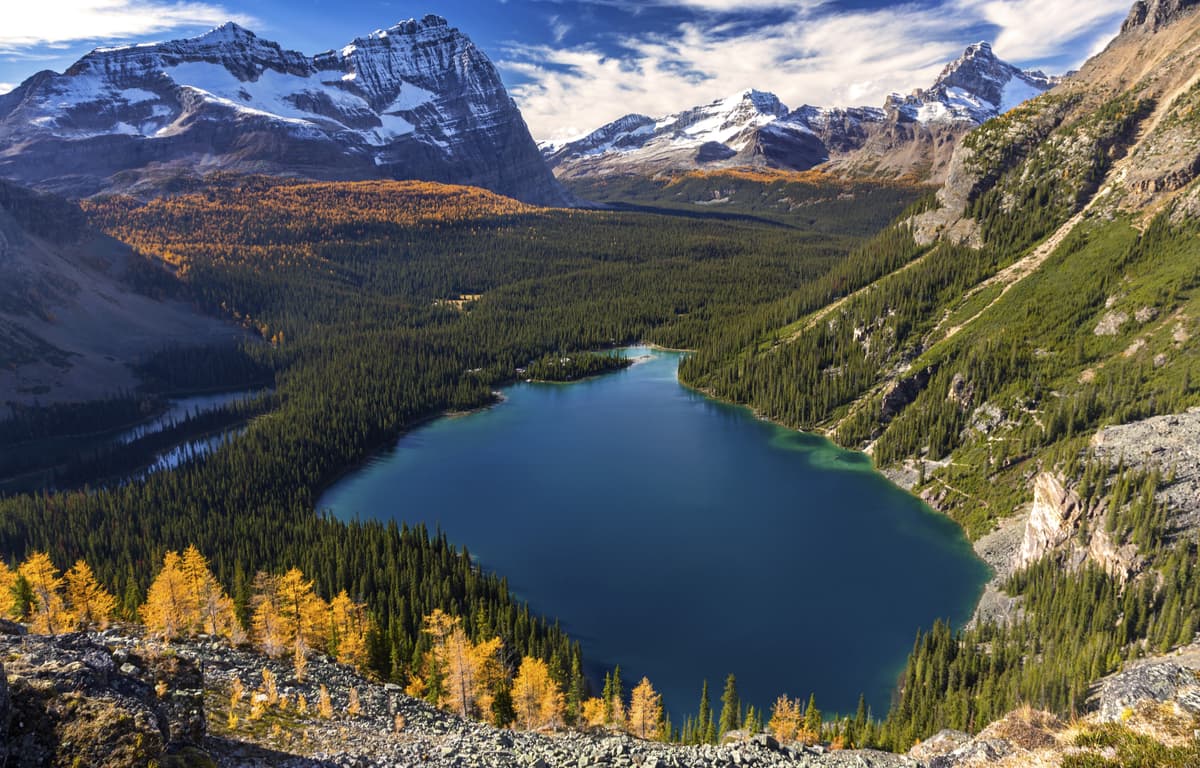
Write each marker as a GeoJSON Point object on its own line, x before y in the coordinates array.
{"type": "Point", "coordinates": [117, 699]}
{"type": "Point", "coordinates": [415, 101]}
{"type": "Point", "coordinates": [910, 136]}
{"type": "Point", "coordinates": [70, 320]}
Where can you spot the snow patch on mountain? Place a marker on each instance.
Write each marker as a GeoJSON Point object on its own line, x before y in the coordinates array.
{"type": "Point", "coordinates": [754, 127]}
{"type": "Point", "coordinates": [417, 100]}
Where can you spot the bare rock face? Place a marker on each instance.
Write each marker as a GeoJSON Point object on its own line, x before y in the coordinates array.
{"type": "Point", "coordinates": [1056, 516]}
{"type": "Point", "coordinates": [1054, 525]}
{"type": "Point", "coordinates": [415, 101]}
{"type": "Point", "coordinates": [1151, 15]}
{"type": "Point", "coordinates": [1157, 680]}
{"type": "Point", "coordinates": [76, 701]}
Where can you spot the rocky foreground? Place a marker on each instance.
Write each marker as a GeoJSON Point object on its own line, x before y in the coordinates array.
{"type": "Point", "coordinates": [116, 699]}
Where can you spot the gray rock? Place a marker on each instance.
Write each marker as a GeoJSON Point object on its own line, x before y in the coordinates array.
{"type": "Point", "coordinates": [1161, 681]}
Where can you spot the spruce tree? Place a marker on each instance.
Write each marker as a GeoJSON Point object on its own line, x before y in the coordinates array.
{"type": "Point", "coordinates": [731, 707]}
{"type": "Point", "coordinates": [704, 718]}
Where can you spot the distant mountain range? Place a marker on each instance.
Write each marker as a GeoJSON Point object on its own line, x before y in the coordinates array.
{"type": "Point", "coordinates": [911, 135]}
{"type": "Point", "coordinates": [415, 101]}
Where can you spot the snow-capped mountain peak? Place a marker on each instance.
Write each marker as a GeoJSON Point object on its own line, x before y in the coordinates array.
{"type": "Point", "coordinates": [417, 100]}
{"type": "Point", "coordinates": [754, 127]}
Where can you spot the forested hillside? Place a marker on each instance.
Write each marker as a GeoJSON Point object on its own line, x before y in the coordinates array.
{"type": "Point", "coordinates": [382, 304]}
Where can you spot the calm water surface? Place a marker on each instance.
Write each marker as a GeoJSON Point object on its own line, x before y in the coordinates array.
{"type": "Point", "coordinates": [683, 538]}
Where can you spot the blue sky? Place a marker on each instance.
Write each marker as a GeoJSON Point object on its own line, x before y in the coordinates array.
{"type": "Point", "coordinates": [573, 65]}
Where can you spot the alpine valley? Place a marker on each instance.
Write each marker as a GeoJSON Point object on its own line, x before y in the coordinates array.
{"type": "Point", "coordinates": [298, 349]}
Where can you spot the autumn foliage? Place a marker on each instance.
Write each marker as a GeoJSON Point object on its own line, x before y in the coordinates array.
{"type": "Point", "coordinates": [185, 600]}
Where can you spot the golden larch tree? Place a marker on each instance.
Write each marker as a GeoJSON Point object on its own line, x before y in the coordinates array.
{"type": "Point", "coordinates": [50, 615]}
{"type": "Point", "coordinates": [267, 621]}
{"type": "Point", "coordinates": [90, 603]}
{"type": "Point", "coordinates": [536, 698]}
{"type": "Point", "coordinates": [786, 719]}
{"type": "Point", "coordinates": [645, 711]}
{"type": "Point", "coordinates": [594, 712]}
{"type": "Point", "coordinates": [167, 612]}
{"type": "Point", "coordinates": [8, 580]}
{"type": "Point", "coordinates": [301, 610]}
{"type": "Point", "coordinates": [210, 610]}
{"type": "Point", "coordinates": [348, 627]}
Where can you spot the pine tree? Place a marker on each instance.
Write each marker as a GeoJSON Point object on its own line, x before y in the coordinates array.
{"type": "Point", "coordinates": [617, 701]}
{"type": "Point", "coordinates": [22, 598]}
{"type": "Point", "coordinates": [704, 718]}
{"type": "Point", "coordinates": [731, 707]}
{"type": "Point", "coordinates": [91, 604]}
{"type": "Point", "coordinates": [645, 711]}
{"type": "Point", "coordinates": [49, 612]}
{"type": "Point", "coordinates": [812, 718]}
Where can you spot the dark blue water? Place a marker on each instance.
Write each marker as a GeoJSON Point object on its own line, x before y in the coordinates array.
{"type": "Point", "coordinates": [683, 538]}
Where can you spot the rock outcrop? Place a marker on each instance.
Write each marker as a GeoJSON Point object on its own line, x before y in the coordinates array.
{"type": "Point", "coordinates": [1151, 15]}
{"type": "Point", "coordinates": [415, 101]}
{"type": "Point", "coordinates": [1060, 524]}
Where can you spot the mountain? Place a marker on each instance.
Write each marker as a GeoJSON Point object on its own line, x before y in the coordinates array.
{"type": "Point", "coordinates": [70, 319]}
{"type": "Point", "coordinates": [910, 135]}
{"type": "Point", "coordinates": [415, 101]}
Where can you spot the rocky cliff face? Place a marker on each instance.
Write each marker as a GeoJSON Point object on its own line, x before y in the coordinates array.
{"type": "Point", "coordinates": [415, 101]}
{"type": "Point", "coordinates": [1059, 524]}
{"type": "Point", "coordinates": [911, 136]}
{"type": "Point", "coordinates": [1150, 15]}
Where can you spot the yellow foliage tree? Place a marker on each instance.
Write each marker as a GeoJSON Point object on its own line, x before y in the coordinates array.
{"type": "Point", "coordinates": [594, 713]}
{"type": "Point", "coordinates": [8, 580]}
{"type": "Point", "coordinates": [458, 674]}
{"type": "Point", "coordinates": [91, 604]}
{"type": "Point", "coordinates": [210, 610]}
{"type": "Point", "coordinates": [166, 611]}
{"type": "Point", "coordinates": [645, 711]}
{"type": "Point", "coordinates": [300, 609]}
{"type": "Point", "coordinates": [786, 719]}
{"type": "Point", "coordinates": [267, 621]}
{"type": "Point", "coordinates": [536, 698]}
{"type": "Point", "coordinates": [348, 627]}
{"type": "Point", "coordinates": [50, 614]}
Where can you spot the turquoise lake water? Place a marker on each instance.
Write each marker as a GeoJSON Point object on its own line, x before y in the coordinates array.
{"type": "Point", "coordinates": [683, 538]}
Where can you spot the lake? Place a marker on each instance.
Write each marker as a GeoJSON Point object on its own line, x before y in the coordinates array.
{"type": "Point", "coordinates": [683, 538]}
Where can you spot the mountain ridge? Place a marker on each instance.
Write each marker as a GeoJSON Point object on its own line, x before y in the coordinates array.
{"type": "Point", "coordinates": [417, 100]}
{"type": "Point", "coordinates": [753, 128]}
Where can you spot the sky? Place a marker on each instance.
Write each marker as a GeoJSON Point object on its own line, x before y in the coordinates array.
{"type": "Point", "coordinates": [573, 65]}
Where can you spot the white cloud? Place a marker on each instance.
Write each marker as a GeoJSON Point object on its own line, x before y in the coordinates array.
{"type": "Point", "coordinates": [815, 57]}
{"type": "Point", "coordinates": [54, 22]}
{"type": "Point", "coordinates": [1032, 29]}
{"type": "Point", "coordinates": [6, 87]}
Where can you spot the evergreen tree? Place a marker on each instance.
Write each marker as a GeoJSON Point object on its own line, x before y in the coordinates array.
{"type": "Point", "coordinates": [731, 707]}
{"type": "Point", "coordinates": [704, 718]}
